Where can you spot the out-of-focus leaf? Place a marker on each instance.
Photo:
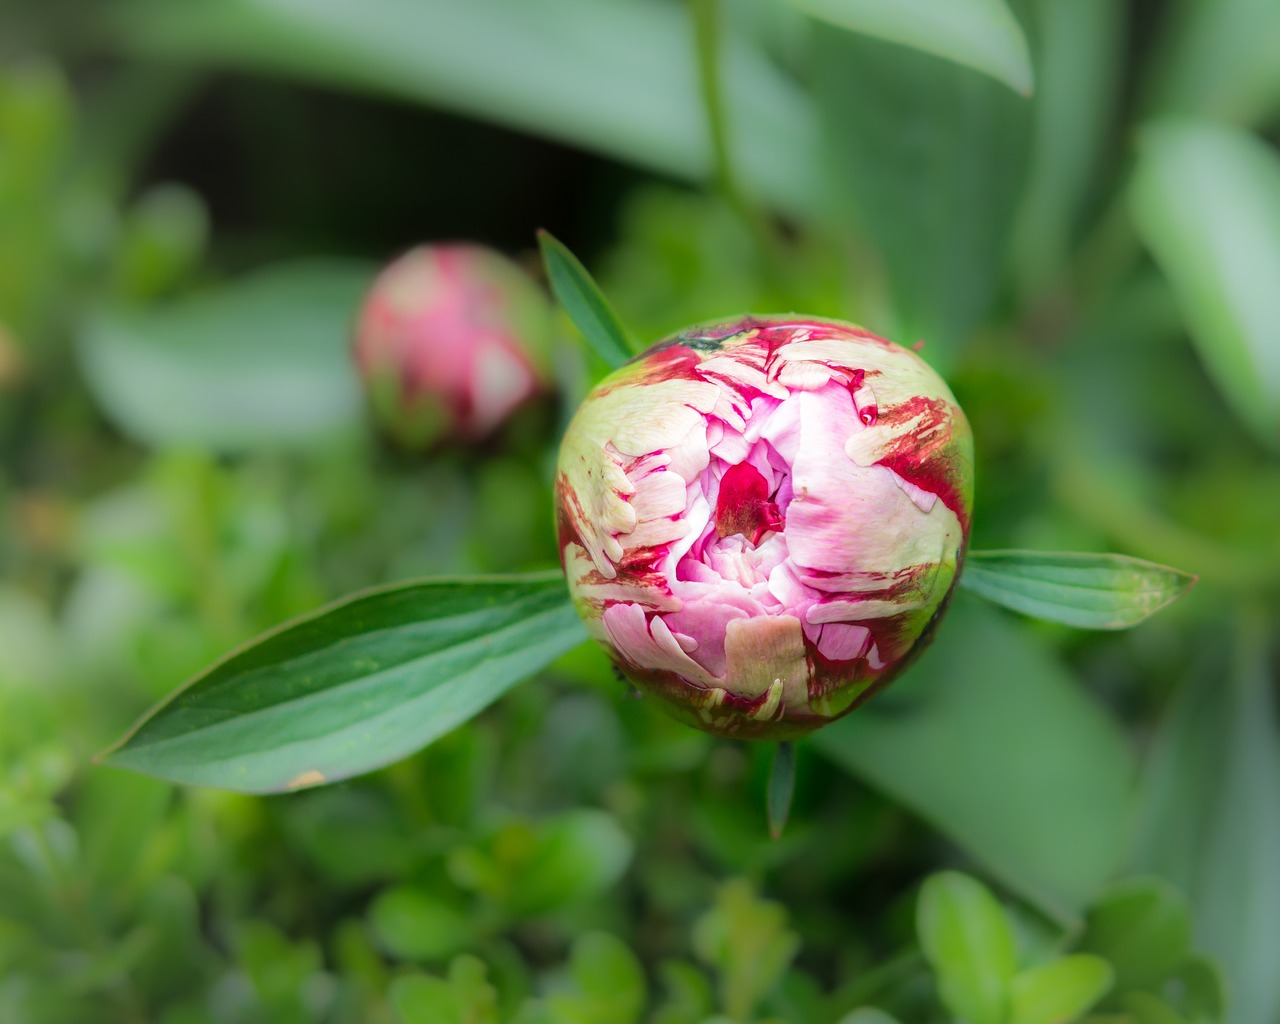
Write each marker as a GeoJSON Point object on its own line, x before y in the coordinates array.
{"type": "Point", "coordinates": [1060, 991]}
{"type": "Point", "coordinates": [574, 858]}
{"type": "Point", "coordinates": [531, 869]}
{"type": "Point", "coordinates": [943, 741]}
{"type": "Point", "coordinates": [982, 34]}
{"type": "Point", "coordinates": [745, 939]}
{"type": "Point", "coordinates": [585, 303]}
{"type": "Point", "coordinates": [1091, 591]}
{"type": "Point", "coordinates": [465, 997]}
{"type": "Point", "coordinates": [968, 940]}
{"type": "Point", "coordinates": [1237, 903]}
{"type": "Point", "coordinates": [1078, 50]}
{"type": "Point", "coordinates": [1206, 199]}
{"type": "Point", "coordinates": [355, 685]}
{"type": "Point", "coordinates": [609, 979]}
{"type": "Point", "coordinates": [618, 78]}
{"type": "Point", "coordinates": [868, 1015]}
{"type": "Point", "coordinates": [260, 362]}
{"type": "Point", "coordinates": [412, 924]}
{"type": "Point", "coordinates": [927, 159]}
{"type": "Point", "coordinates": [1210, 821]}
{"type": "Point", "coordinates": [1144, 1008]}
{"type": "Point", "coordinates": [1142, 928]}
{"type": "Point", "coordinates": [1219, 60]}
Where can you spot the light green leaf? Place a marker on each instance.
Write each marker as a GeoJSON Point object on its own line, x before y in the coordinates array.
{"type": "Point", "coordinates": [989, 739]}
{"type": "Point", "coordinates": [981, 34]}
{"type": "Point", "coordinates": [1206, 200]}
{"type": "Point", "coordinates": [585, 303]}
{"type": "Point", "coordinates": [412, 924]}
{"type": "Point", "coordinates": [260, 362]}
{"type": "Point", "coordinates": [1060, 991]}
{"type": "Point", "coordinates": [618, 78]}
{"type": "Point", "coordinates": [355, 685]}
{"type": "Point", "coordinates": [1141, 927]}
{"type": "Point", "coordinates": [968, 940]}
{"type": "Point", "coordinates": [1090, 591]}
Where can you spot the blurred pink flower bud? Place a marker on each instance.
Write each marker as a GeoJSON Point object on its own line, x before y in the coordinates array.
{"type": "Point", "coordinates": [451, 339]}
{"type": "Point", "coordinates": [762, 519]}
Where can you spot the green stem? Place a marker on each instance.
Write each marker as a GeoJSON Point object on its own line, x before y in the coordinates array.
{"type": "Point", "coordinates": [707, 40]}
{"type": "Point", "coordinates": [706, 31]}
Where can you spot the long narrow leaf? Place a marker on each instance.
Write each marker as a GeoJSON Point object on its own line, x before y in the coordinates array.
{"type": "Point", "coordinates": [1206, 200]}
{"type": "Point", "coordinates": [1084, 590]}
{"type": "Point", "coordinates": [355, 685]}
{"type": "Point", "coordinates": [585, 303]}
{"type": "Point", "coordinates": [981, 34]}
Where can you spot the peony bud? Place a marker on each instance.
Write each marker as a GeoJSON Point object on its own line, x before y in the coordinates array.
{"type": "Point", "coordinates": [762, 519]}
{"type": "Point", "coordinates": [450, 340]}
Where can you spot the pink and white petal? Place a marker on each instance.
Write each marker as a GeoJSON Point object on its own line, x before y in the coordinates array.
{"type": "Point", "coordinates": [732, 448]}
{"type": "Point", "coordinates": [590, 588]}
{"type": "Point", "coordinates": [842, 641]}
{"type": "Point", "coordinates": [648, 644]}
{"type": "Point", "coordinates": [705, 621]}
{"type": "Point", "coordinates": [847, 522]}
{"type": "Point", "coordinates": [782, 430]}
{"type": "Point", "coordinates": [803, 374]}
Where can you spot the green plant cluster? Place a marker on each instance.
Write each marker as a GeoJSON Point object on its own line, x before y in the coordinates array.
{"type": "Point", "coordinates": [1075, 204]}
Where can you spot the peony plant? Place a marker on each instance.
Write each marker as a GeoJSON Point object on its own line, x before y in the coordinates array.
{"type": "Point", "coordinates": [760, 519]}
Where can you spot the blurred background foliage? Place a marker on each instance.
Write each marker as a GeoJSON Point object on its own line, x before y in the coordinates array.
{"type": "Point", "coordinates": [1075, 203]}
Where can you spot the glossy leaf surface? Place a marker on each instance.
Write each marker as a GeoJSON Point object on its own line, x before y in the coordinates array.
{"type": "Point", "coordinates": [354, 686]}
{"type": "Point", "coordinates": [585, 303]}
{"type": "Point", "coordinates": [1089, 591]}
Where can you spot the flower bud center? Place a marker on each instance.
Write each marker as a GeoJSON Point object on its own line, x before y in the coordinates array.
{"type": "Point", "coordinates": [743, 505]}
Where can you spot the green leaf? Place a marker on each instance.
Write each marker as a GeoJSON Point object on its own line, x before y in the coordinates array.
{"type": "Point", "coordinates": [1210, 817]}
{"type": "Point", "coordinates": [260, 362]}
{"type": "Point", "coordinates": [566, 69]}
{"type": "Point", "coordinates": [585, 303]}
{"type": "Point", "coordinates": [994, 743]}
{"type": "Point", "coordinates": [609, 979]}
{"type": "Point", "coordinates": [927, 161]}
{"type": "Point", "coordinates": [1144, 1008]}
{"type": "Point", "coordinates": [981, 34]}
{"type": "Point", "coordinates": [1219, 61]}
{"type": "Point", "coordinates": [355, 685]}
{"type": "Point", "coordinates": [782, 786]}
{"type": "Point", "coordinates": [1142, 927]}
{"type": "Point", "coordinates": [968, 940]}
{"type": "Point", "coordinates": [574, 858]}
{"type": "Point", "coordinates": [1206, 200]}
{"type": "Point", "coordinates": [745, 939]}
{"type": "Point", "coordinates": [412, 924]}
{"type": "Point", "coordinates": [1060, 991]}
{"type": "Point", "coordinates": [1079, 54]}
{"type": "Point", "coordinates": [1084, 590]}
